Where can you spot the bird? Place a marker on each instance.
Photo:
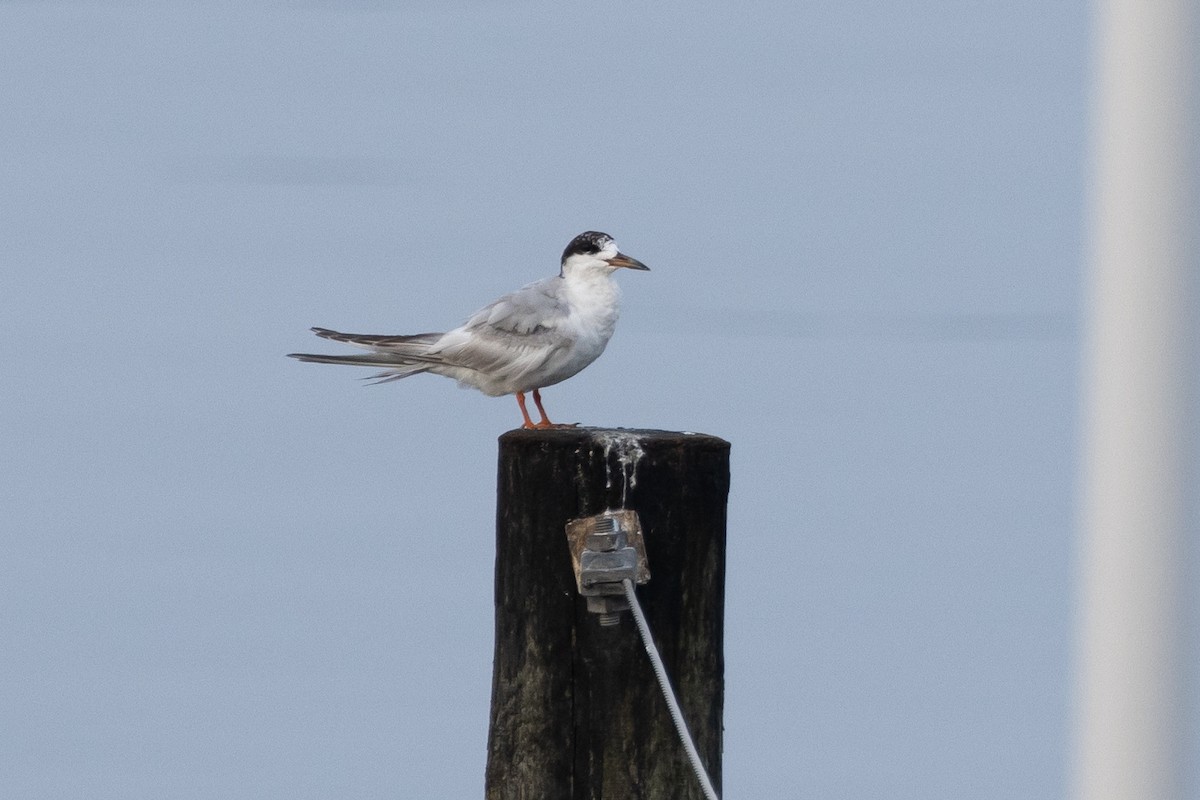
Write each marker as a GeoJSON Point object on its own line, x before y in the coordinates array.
{"type": "Point", "coordinates": [529, 339]}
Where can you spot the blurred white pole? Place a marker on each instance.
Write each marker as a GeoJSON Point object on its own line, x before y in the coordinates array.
{"type": "Point", "coordinates": [1138, 501]}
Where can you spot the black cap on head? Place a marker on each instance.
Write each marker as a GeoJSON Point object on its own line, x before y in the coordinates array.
{"type": "Point", "coordinates": [588, 243]}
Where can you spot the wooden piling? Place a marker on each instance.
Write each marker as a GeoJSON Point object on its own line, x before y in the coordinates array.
{"type": "Point", "coordinates": [576, 712]}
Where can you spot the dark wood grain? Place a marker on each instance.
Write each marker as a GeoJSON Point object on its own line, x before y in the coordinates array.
{"type": "Point", "coordinates": [576, 712]}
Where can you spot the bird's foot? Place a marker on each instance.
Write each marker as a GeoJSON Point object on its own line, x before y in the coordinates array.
{"type": "Point", "coordinates": [547, 425]}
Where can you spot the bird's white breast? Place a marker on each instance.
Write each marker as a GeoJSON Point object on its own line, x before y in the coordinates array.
{"type": "Point", "coordinates": [594, 299]}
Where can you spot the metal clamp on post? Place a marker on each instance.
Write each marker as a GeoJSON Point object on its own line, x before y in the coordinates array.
{"type": "Point", "coordinates": [605, 550]}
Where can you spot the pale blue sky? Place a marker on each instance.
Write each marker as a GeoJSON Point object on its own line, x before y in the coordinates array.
{"type": "Point", "coordinates": [228, 574]}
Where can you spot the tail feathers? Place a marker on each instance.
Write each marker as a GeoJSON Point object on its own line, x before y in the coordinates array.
{"type": "Point", "coordinates": [393, 375]}
{"type": "Point", "coordinates": [397, 356]}
{"type": "Point", "coordinates": [394, 368]}
{"type": "Point", "coordinates": [363, 360]}
{"type": "Point", "coordinates": [379, 341]}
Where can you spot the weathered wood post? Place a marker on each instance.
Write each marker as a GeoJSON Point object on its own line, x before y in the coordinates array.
{"type": "Point", "coordinates": [576, 712]}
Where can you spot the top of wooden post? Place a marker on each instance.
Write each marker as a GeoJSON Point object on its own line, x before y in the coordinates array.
{"type": "Point", "coordinates": [584, 433]}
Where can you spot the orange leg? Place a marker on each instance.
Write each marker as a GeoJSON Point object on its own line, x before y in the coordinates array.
{"type": "Point", "coordinates": [529, 424]}
{"type": "Point", "coordinates": [537, 399]}
{"type": "Point", "coordinates": [521, 402]}
{"type": "Point", "coordinates": [546, 423]}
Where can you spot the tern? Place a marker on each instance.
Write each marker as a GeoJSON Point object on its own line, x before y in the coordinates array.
{"type": "Point", "coordinates": [534, 337]}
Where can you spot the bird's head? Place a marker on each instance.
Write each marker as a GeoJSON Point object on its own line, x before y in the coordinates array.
{"type": "Point", "coordinates": [595, 251]}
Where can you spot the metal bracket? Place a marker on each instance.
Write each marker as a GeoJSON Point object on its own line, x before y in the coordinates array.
{"type": "Point", "coordinates": [605, 550]}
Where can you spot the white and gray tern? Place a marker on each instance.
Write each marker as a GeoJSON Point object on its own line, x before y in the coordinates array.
{"type": "Point", "coordinates": [534, 337]}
